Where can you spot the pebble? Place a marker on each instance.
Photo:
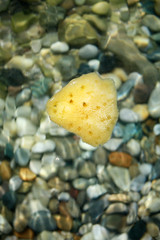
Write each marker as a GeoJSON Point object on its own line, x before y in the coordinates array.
{"type": "Point", "coordinates": [101, 8]}
{"type": "Point", "coordinates": [22, 156]}
{"type": "Point", "coordinates": [156, 129]}
{"type": "Point", "coordinates": [100, 156]}
{"type": "Point", "coordinates": [20, 62]}
{"type": "Point", "coordinates": [152, 22]}
{"type": "Point", "coordinates": [137, 183]}
{"type": "Point", "coordinates": [145, 168]}
{"type": "Point", "coordinates": [88, 51]}
{"type": "Point", "coordinates": [42, 220]}
{"type": "Point", "coordinates": [153, 229]}
{"type": "Point", "coordinates": [9, 200]}
{"type": "Point", "coordinates": [87, 169]}
{"type": "Point", "coordinates": [23, 96]}
{"type": "Point", "coordinates": [36, 45]}
{"type": "Point", "coordinates": [15, 183]}
{"type": "Point", "coordinates": [128, 116]}
{"type": "Point", "coordinates": [60, 47]}
{"type": "Point", "coordinates": [142, 111]}
{"type": "Point", "coordinates": [67, 173]}
{"type": "Point", "coordinates": [125, 89]}
{"type": "Point", "coordinates": [86, 146]}
{"type": "Point", "coordinates": [141, 93]}
{"type": "Point", "coordinates": [99, 232]}
{"type": "Point", "coordinates": [141, 41]}
{"type": "Point", "coordinates": [80, 183]}
{"type": "Point", "coordinates": [25, 127]}
{"type": "Point", "coordinates": [26, 174]}
{"type": "Point", "coordinates": [120, 177]}
{"type": "Point", "coordinates": [113, 144]}
{"type": "Point", "coordinates": [5, 170]}
{"type": "Point", "coordinates": [64, 196]}
{"type": "Point", "coordinates": [120, 159]}
{"type": "Point", "coordinates": [133, 147]}
{"type": "Point", "coordinates": [94, 64]}
{"type": "Point", "coordinates": [122, 236]}
{"type": "Point", "coordinates": [95, 191]}
{"type": "Point", "coordinates": [26, 234]}
{"type": "Point", "coordinates": [115, 78]}
{"type": "Point", "coordinates": [117, 208]}
{"type": "Point", "coordinates": [42, 147]}
{"type": "Point", "coordinates": [64, 223]}
{"type": "Point", "coordinates": [35, 166]}
{"type": "Point", "coordinates": [21, 218]}
{"type": "Point", "coordinates": [154, 102]}
{"type": "Point", "coordinates": [5, 227]}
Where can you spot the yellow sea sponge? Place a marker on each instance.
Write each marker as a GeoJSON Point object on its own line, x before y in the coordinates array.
{"type": "Point", "coordinates": [86, 106]}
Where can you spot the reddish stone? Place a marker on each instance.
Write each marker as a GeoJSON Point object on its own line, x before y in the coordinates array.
{"type": "Point", "coordinates": [120, 159]}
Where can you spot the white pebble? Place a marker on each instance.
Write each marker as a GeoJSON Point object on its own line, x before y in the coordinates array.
{"type": "Point", "coordinates": [95, 191]}
{"type": "Point", "coordinates": [86, 146]}
{"type": "Point", "coordinates": [25, 127]}
{"type": "Point", "coordinates": [113, 144]}
{"type": "Point", "coordinates": [59, 47]}
{"type": "Point", "coordinates": [134, 147]}
{"type": "Point", "coordinates": [156, 129]}
{"type": "Point", "coordinates": [94, 64]}
{"type": "Point", "coordinates": [127, 115]}
{"type": "Point", "coordinates": [44, 146]}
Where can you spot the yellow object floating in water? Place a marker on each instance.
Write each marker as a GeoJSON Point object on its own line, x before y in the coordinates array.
{"type": "Point", "coordinates": [86, 106]}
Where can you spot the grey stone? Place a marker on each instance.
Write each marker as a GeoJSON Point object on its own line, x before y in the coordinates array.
{"type": "Point", "coordinates": [87, 169]}
{"type": "Point", "coordinates": [133, 147]}
{"type": "Point", "coordinates": [67, 173]}
{"type": "Point", "coordinates": [154, 102]}
{"type": "Point", "coordinates": [127, 115]}
{"type": "Point", "coordinates": [10, 107]}
{"type": "Point", "coordinates": [47, 235]}
{"type": "Point", "coordinates": [80, 183]}
{"type": "Point", "coordinates": [5, 227]}
{"type": "Point", "coordinates": [152, 22]}
{"type": "Point", "coordinates": [89, 51]}
{"type": "Point", "coordinates": [120, 177]}
{"type": "Point", "coordinates": [95, 191]}
{"type": "Point", "coordinates": [137, 183]}
{"type": "Point", "coordinates": [133, 212]}
{"type": "Point", "coordinates": [22, 156]}
{"type": "Point", "coordinates": [23, 111]}
{"type": "Point", "coordinates": [99, 232]}
{"type": "Point", "coordinates": [132, 59]}
{"type": "Point", "coordinates": [36, 45]}
{"type": "Point", "coordinates": [42, 220]}
{"type": "Point", "coordinates": [35, 166]}
{"type": "Point", "coordinates": [14, 183]}
{"type": "Point", "coordinates": [113, 144]}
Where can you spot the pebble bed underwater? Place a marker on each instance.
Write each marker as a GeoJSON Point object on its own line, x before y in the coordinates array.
{"type": "Point", "coordinates": [54, 186]}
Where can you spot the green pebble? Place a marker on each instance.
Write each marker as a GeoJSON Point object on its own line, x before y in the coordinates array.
{"type": "Point", "coordinates": [101, 8]}
{"type": "Point", "coordinates": [21, 21]}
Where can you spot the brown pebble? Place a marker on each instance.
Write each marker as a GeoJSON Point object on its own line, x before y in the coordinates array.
{"type": "Point", "coordinates": [153, 229]}
{"type": "Point", "coordinates": [120, 159]}
{"type": "Point", "coordinates": [63, 209]}
{"type": "Point", "coordinates": [141, 93]}
{"type": "Point", "coordinates": [5, 170]}
{"type": "Point", "coordinates": [64, 222]}
{"type": "Point", "coordinates": [26, 174]}
{"type": "Point", "coordinates": [27, 234]}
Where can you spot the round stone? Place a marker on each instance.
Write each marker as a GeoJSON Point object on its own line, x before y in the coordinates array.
{"type": "Point", "coordinates": [88, 51]}
{"type": "Point", "coordinates": [142, 111]}
{"type": "Point", "coordinates": [120, 159]}
{"type": "Point", "coordinates": [22, 157]}
{"type": "Point", "coordinates": [94, 64]}
{"type": "Point", "coordinates": [133, 147]}
{"type": "Point", "coordinates": [101, 8]}
{"type": "Point", "coordinates": [60, 47]}
{"type": "Point", "coordinates": [127, 115]}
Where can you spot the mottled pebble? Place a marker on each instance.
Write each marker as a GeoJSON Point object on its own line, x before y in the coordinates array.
{"type": "Point", "coordinates": [63, 222]}
{"type": "Point", "coordinates": [120, 159]}
{"type": "Point", "coordinates": [26, 174]}
{"type": "Point", "coordinates": [142, 111]}
{"type": "Point", "coordinates": [87, 169]}
{"type": "Point", "coordinates": [95, 191]}
{"type": "Point", "coordinates": [60, 47]}
{"type": "Point", "coordinates": [44, 146]}
{"type": "Point", "coordinates": [21, 218]}
{"type": "Point", "coordinates": [22, 156]}
{"type": "Point", "coordinates": [15, 183]}
{"type": "Point", "coordinates": [113, 144]}
{"type": "Point", "coordinates": [42, 220]}
{"type": "Point", "coordinates": [88, 51]}
{"type": "Point", "coordinates": [5, 227]}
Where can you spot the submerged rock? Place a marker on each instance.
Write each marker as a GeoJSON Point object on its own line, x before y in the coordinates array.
{"type": "Point", "coordinates": [154, 102]}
